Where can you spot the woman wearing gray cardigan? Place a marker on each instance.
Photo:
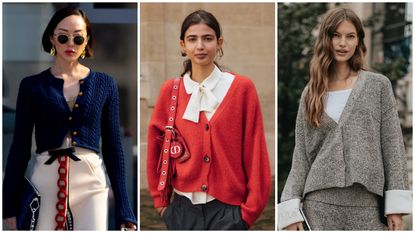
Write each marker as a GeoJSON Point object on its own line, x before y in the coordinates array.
{"type": "Point", "coordinates": [349, 168]}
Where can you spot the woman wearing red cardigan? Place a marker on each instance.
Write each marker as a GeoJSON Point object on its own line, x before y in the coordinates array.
{"type": "Point", "coordinates": [222, 181]}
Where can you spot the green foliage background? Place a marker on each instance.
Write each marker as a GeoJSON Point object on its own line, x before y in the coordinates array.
{"type": "Point", "coordinates": [296, 23]}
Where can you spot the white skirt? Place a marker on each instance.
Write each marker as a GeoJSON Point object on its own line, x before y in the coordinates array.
{"type": "Point", "coordinates": [88, 191]}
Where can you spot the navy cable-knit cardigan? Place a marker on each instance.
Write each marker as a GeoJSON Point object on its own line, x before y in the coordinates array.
{"type": "Point", "coordinates": [40, 103]}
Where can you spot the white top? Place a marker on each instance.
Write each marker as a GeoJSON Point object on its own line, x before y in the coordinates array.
{"type": "Point", "coordinates": [335, 102]}
{"type": "Point", "coordinates": [206, 97]}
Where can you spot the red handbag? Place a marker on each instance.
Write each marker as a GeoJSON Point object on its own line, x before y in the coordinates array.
{"type": "Point", "coordinates": [174, 147]}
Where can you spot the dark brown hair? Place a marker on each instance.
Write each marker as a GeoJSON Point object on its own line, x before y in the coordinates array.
{"type": "Point", "coordinates": [59, 16]}
{"type": "Point", "coordinates": [197, 17]}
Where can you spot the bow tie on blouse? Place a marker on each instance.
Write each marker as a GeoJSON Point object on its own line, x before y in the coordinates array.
{"type": "Point", "coordinates": [202, 98]}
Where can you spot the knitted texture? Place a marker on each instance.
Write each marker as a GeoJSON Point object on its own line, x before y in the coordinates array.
{"type": "Point", "coordinates": [365, 147]}
{"type": "Point", "coordinates": [41, 104]}
{"type": "Point", "coordinates": [229, 156]}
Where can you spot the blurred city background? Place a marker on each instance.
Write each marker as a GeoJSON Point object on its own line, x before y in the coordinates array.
{"type": "Point", "coordinates": [388, 29]}
{"type": "Point", "coordinates": [114, 26]}
{"type": "Point", "coordinates": [249, 49]}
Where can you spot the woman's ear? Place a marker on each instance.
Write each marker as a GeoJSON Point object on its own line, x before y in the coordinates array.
{"type": "Point", "coordinates": [183, 48]}
{"type": "Point", "coordinates": [220, 42]}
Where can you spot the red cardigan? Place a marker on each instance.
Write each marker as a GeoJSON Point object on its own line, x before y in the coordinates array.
{"type": "Point", "coordinates": [237, 171]}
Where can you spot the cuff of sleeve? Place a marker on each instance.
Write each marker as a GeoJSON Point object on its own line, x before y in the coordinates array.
{"type": "Point", "coordinates": [289, 213]}
{"type": "Point", "coordinates": [398, 202]}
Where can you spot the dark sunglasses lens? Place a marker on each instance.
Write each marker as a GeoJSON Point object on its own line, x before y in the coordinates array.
{"type": "Point", "coordinates": [63, 39]}
{"type": "Point", "coordinates": [78, 40]}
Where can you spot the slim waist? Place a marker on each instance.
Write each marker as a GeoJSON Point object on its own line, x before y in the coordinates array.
{"type": "Point", "coordinates": [79, 152]}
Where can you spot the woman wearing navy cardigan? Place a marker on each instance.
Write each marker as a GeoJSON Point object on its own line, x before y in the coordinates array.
{"type": "Point", "coordinates": [71, 107]}
{"type": "Point", "coordinates": [223, 181]}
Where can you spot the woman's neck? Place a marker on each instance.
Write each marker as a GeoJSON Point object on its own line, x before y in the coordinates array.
{"type": "Point", "coordinates": [200, 73]}
{"type": "Point", "coordinates": [342, 71]}
{"type": "Point", "coordinates": [67, 69]}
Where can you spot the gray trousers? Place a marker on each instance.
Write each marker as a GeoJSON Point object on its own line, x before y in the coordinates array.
{"type": "Point", "coordinates": [214, 215]}
{"type": "Point", "coordinates": [351, 208]}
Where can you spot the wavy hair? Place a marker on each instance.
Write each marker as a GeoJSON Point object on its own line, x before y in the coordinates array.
{"type": "Point", "coordinates": [322, 62]}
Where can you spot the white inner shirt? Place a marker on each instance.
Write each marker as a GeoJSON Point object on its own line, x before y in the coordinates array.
{"type": "Point", "coordinates": [208, 96]}
{"type": "Point", "coordinates": [335, 103]}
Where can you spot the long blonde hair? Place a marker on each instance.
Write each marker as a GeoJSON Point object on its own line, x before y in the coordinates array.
{"type": "Point", "coordinates": [322, 63]}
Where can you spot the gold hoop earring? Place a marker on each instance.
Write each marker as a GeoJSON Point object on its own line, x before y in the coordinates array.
{"type": "Point", "coordinates": [83, 54]}
{"type": "Point", "coordinates": [52, 51]}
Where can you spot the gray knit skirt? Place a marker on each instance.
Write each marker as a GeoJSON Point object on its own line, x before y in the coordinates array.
{"type": "Point", "coordinates": [350, 208]}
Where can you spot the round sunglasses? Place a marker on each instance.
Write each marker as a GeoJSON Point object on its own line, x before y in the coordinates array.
{"type": "Point", "coordinates": [78, 40]}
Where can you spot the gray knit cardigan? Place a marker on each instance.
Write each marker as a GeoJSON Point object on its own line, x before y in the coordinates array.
{"type": "Point", "coordinates": [365, 146]}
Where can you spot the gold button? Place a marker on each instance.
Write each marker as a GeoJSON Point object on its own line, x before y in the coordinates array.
{"type": "Point", "coordinates": [73, 143]}
{"type": "Point", "coordinates": [80, 93]}
{"type": "Point", "coordinates": [204, 188]}
{"type": "Point", "coordinates": [74, 133]}
{"type": "Point", "coordinates": [76, 105]}
{"type": "Point", "coordinates": [70, 118]}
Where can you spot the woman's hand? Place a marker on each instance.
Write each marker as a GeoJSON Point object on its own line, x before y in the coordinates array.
{"type": "Point", "coordinates": [11, 223]}
{"type": "Point", "coordinates": [128, 226]}
{"type": "Point", "coordinates": [161, 210]}
{"type": "Point", "coordinates": [395, 222]}
{"type": "Point", "coordinates": [298, 226]}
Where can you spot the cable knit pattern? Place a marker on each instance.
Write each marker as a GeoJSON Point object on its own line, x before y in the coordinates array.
{"type": "Point", "coordinates": [365, 147]}
{"type": "Point", "coordinates": [41, 104]}
{"type": "Point", "coordinates": [229, 158]}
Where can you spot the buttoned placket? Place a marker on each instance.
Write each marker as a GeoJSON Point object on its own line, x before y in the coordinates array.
{"type": "Point", "coordinates": [207, 155]}
{"type": "Point", "coordinates": [75, 111]}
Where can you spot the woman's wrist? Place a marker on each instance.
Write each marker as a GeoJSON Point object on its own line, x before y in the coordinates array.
{"type": "Point", "coordinates": [160, 210]}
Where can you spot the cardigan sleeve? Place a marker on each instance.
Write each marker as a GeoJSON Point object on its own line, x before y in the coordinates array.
{"type": "Point", "coordinates": [113, 155]}
{"type": "Point", "coordinates": [156, 128]}
{"type": "Point", "coordinates": [20, 151]}
{"type": "Point", "coordinates": [398, 197]}
{"type": "Point", "coordinates": [288, 209]}
{"type": "Point", "coordinates": [255, 160]}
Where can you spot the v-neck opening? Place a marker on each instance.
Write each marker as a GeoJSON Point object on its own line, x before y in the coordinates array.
{"type": "Point", "coordinates": [349, 102]}
{"type": "Point", "coordinates": [61, 88]}
{"type": "Point", "coordinates": [224, 102]}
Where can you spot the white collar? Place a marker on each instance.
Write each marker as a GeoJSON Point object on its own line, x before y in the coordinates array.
{"type": "Point", "coordinates": [202, 98]}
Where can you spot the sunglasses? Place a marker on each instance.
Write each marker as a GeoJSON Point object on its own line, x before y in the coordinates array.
{"type": "Point", "coordinates": [78, 40]}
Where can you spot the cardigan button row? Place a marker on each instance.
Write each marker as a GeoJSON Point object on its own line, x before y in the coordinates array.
{"type": "Point", "coordinates": [207, 127]}
{"type": "Point", "coordinates": [206, 159]}
{"type": "Point", "coordinates": [203, 187]}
